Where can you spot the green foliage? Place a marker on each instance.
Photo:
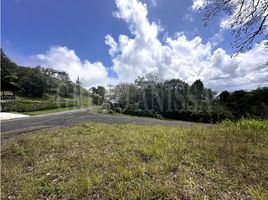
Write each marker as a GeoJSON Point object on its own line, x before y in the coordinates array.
{"type": "Point", "coordinates": [38, 81]}
{"type": "Point", "coordinates": [247, 124]}
{"type": "Point", "coordinates": [28, 106]}
{"type": "Point", "coordinates": [253, 104]}
{"type": "Point", "coordinates": [101, 91]}
{"type": "Point", "coordinates": [32, 83]}
{"type": "Point", "coordinates": [66, 90]}
{"type": "Point", "coordinates": [175, 99]}
{"type": "Point", "coordinates": [98, 95]}
{"type": "Point", "coordinates": [96, 99]}
{"type": "Point", "coordinates": [8, 68]}
{"type": "Point", "coordinates": [197, 88]}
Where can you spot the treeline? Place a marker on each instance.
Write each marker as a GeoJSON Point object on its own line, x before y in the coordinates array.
{"type": "Point", "coordinates": [41, 88]}
{"type": "Point", "coordinates": [252, 104]}
{"type": "Point", "coordinates": [39, 81]}
{"type": "Point", "coordinates": [176, 99]}
{"type": "Point", "coordinates": [147, 96]}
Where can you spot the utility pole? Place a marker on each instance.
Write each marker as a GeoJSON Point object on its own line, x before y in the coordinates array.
{"type": "Point", "coordinates": [79, 92]}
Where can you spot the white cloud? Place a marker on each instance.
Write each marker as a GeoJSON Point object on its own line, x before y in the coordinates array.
{"type": "Point", "coordinates": [217, 38]}
{"type": "Point", "coordinates": [62, 58]}
{"type": "Point", "coordinates": [198, 4]}
{"type": "Point", "coordinates": [176, 57]}
{"type": "Point", "coordinates": [179, 57]}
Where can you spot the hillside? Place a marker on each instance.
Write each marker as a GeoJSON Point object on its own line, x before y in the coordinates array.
{"type": "Point", "coordinates": [37, 81]}
{"type": "Point", "coordinates": [41, 88]}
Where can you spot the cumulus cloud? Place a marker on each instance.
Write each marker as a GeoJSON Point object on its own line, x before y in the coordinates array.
{"type": "Point", "coordinates": [198, 4]}
{"type": "Point", "coordinates": [180, 57]}
{"type": "Point", "coordinates": [176, 57]}
{"type": "Point", "coordinates": [65, 59]}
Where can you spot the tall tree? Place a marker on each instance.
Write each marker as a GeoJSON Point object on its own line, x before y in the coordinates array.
{"type": "Point", "coordinates": [197, 88]}
{"type": "Point", "coordinates": [78, 83]}
{"type": "Point", "coordinates": [8, 68]}
{"type": "Point", "coordinates": [101, 91]}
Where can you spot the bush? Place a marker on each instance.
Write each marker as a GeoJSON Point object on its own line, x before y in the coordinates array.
{"type": "Point", "coordinates": [96, 99]}
{"type": "Point", "coordinates": [29, 106]}
{"type": "Point", "coordinates": [205, 117]}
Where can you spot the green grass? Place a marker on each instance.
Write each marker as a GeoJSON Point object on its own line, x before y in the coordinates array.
{"type": "Point", "coordinates": [86, 102]}
{"type": "Point", "coordinates": [38, 106]}
{"type": "Point", "coordinates": [100, 161]}
{"type": "Point", "coordinates": [42, 112]}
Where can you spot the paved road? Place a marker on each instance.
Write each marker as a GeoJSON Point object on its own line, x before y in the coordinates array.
{"type": "Point", "coordinates": [75, 117]}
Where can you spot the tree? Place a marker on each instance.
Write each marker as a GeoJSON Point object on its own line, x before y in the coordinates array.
{"type": "Point", "coordinates": [78, 83]}
{"type": "Point", "coordinates": [48, 76]}
{"type": "Point", "coordinates": [123, 95]}
{"type": "Point", "coordinates": [223, 97]}
{"type": "Point", "coordinates": [33, 83]}
{"type": "Point", "coordinates": [63, 92]}
{"type": "Point", "coordinates": [93, 90]}
{"type": "Point", "coordinates": [197, 88]}
{"type": "Point", "coordinates": [247, 19]}
{"type": "Point", "coordinates": [8, 68]}
{"type": "Point", "coordinates": [101, 91]}
{"type": "Point", "coordinates": [64, 76]}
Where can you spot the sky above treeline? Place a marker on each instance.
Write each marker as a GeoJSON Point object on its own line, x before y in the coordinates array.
{"type": "Point", "coordinates": [111, 41]}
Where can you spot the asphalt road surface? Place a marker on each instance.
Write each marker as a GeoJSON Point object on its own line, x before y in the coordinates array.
{"type": "Point", "coordinates": [63, 119]}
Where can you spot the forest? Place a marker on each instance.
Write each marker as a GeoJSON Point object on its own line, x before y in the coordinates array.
{"type": "Point", "coordinates": [175, 99]}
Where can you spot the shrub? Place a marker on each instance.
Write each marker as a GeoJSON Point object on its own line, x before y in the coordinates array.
{"type": "Point", "coordinates": [205, 117]}
{"type": "Point", "coordinates": [96, 99]}
{"type": "Point", "coordinates": [29, 106]}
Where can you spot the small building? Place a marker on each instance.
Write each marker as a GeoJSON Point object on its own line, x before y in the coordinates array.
{"type": "Point", "coordinates": [10, 90]}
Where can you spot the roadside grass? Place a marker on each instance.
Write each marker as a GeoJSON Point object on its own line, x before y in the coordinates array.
{"type": "Point", "coordinates": [86, 102]}
{"type": "Point", "coordinates": [42, 112]}
{"type": "Point", "coordinates": [101, 161]}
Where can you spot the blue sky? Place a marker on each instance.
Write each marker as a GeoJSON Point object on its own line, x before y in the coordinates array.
{"type": "Point", "coordinates": [78, 37]}
{"type": "Point", "coordinates": [82, 25]}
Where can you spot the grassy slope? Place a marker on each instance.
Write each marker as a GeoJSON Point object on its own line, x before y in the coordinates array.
{"type": "Point", "coordinates": [100, 161]}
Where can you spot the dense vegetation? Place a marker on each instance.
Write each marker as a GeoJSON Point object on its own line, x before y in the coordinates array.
{"type": "Point", "coordinates": [253, 104]}
{"type": "Point", "coordinates": [147, 96]}
{"type": "Point", "coordinates": [45, 88]}
{"type": "Point", "coordinates": [100, 161]}
{"type": "Point", "coordinates": [38, 81]}
{"type": "Point", "coordinates": [176, 99]}
{"type": "Point", "coordinates": [29, 106]}
{"type": "Point", "coordinates": [98, 95]}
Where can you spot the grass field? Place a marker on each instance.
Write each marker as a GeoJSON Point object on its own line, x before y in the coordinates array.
{"type": "Point", "coordinates": [100, 161]}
